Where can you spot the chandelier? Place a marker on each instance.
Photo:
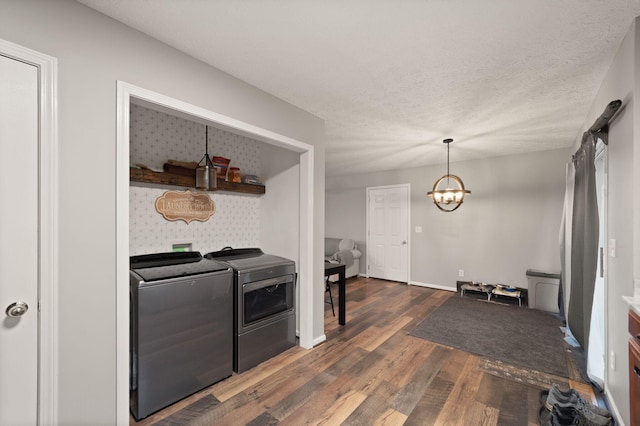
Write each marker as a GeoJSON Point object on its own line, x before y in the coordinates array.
{"type": "Point", "coordinates": [448, 191]}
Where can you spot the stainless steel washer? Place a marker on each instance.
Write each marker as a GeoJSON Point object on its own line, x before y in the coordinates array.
{"type": "Point", "coordinates": [181, 327]}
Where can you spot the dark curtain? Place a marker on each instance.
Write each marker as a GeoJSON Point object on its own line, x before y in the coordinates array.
{"type": "Point", "coordinates": [584, 241]}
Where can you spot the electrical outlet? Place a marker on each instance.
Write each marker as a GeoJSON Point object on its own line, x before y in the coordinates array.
{"type": "Point", "coordinates": [461, 272]}
{"type": "Point", "coordinates": [612, 360]}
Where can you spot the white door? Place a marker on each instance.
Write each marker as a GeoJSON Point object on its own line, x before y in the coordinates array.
{"type": "Point", "coordinates": [388, 233]}
{"type": "Point", "coordinates": [19, 165]}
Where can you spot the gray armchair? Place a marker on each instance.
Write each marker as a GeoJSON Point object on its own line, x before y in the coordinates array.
{"type": "Point", "coordinates": [343, 251]}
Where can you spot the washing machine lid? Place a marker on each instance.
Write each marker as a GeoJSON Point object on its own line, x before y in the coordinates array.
{"type": "Point", "coordinates": [228, 253]}
{"type": "Point", "coordinates": [246, 259]}
{"type": "Point", "coordinates": [160, 266]}
{"type": "Point", "coordinates": [535, 273]}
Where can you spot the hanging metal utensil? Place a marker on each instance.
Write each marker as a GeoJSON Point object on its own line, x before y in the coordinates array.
{"type": "Point", "coordinates": [206, 176]}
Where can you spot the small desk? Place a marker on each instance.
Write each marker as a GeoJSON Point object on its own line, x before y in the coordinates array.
{"type": "Point", "coordinates": [337, 268]}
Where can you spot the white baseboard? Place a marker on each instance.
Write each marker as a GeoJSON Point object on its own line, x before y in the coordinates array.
{"type": "Point", "coordinates": [611, 405]}
{"type": "Point", "coordinates": [318, 340]}
{"type": "Point", "coordinates": [419, 284]}
{"type": "Point", "coordinates": [435, 286]}
{"type": "Point", "coordinates": [315, 342]}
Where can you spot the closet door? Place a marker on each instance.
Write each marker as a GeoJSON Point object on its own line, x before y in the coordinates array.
{"type": "Point", "coordinates": [388, 233]}
{"type": "Point", "coordinates": [19, 249]}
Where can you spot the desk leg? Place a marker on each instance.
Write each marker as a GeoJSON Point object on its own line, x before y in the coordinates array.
{"type": "Point", "coordinates": [342, 296]}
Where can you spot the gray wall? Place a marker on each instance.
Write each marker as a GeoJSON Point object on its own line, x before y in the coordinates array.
{"type": "Point", "coordinates": [280, 221]}
{"type": "Point", "coordinates": [509, 223]}
{"type": "Point", "coordinates": [280, 215]}
{"type": "Point", "coordinates": [623, 220]}
{"type": "Point", "coordinates": [93, 53]}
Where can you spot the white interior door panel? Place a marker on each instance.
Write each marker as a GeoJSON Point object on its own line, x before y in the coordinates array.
{"type": "Point", "coordinates": [19, 165]}
{"type": "Point", "coordinates": [388, 233]}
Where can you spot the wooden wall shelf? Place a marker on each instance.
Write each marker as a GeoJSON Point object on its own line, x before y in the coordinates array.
{"type": "Point", "coordinates": [148, 176]}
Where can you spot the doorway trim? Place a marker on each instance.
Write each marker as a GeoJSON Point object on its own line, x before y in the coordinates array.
{"type": "Point", "coordinates": [48, 226]}
{"type": "Point", "coordinates": [368, 224]}
{"type": "Point", "coordinates": [126, 93]}
{"type": "Point", "coordinates": [602, 152]}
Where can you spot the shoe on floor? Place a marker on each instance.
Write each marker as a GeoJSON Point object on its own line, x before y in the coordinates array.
{"type": "Point", "coordinates": [569, 416]}
{"type": "Point", "coordinates": [556, 418]}
{"type": "Point", "coordinates": [574, 416]}
{"type": "Point", "coordinates": [544, 416]}
{"type": "Point", "coordinates": [556, 395]}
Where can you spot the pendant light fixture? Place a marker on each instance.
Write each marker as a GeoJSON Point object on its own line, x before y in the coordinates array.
{"type": "Point", "coordinates": [448, 191]}
{"type": "Point", "coordinates": [206, 176]}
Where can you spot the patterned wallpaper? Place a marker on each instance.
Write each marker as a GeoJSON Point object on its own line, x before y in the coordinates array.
{"type": "Point", "coordinates": [156, 137]}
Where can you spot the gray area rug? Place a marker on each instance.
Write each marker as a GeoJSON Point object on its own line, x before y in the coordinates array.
{"type": "Point", "coordinates": [512, 334]}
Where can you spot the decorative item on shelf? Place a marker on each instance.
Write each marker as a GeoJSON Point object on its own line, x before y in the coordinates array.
{"type": "Point", "coordinates": [234, 175]}
{"type": "Point", "coordinates": [449, 198]}
{"type": "Point", "coordinates": [182, 168]}
{"type": "Point", "coordinates": [221, 164]}
{"type": "Point", "coordinates": [186, 206]}
{"type": "Point", "coordinates": [145, 167]}
{"type": "Point", "coordinates": [205, 172]}
{"type": "Point", "coordinates": [252, 179]}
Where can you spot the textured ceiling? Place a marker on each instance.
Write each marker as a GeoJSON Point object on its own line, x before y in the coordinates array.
{"type": "Point", "coordinates": [393, 78]}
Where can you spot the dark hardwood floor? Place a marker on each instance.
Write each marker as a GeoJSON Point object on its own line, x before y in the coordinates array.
{"type": "Point", "coordinates": [371, 372]}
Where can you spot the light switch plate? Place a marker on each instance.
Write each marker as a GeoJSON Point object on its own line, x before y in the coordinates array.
{"type": "Point", "coordinates": [612, 247]}
{"type": "Point", "coordinates": [612, 360]}
{"type": "Point", "coordinates": [418, 228]}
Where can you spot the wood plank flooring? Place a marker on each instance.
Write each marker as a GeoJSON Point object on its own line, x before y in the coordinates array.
{"type": "Point", "coordinates": [371, 372]}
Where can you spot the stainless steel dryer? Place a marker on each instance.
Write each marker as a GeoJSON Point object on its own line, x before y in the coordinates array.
{"type": "Point", "coordinates": [264, 303]}
{"type": "Point", "coordinates": [181, 327]}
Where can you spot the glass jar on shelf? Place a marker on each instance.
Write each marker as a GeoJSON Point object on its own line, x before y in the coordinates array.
{"type": "Point", "coordinates": [234, 175]}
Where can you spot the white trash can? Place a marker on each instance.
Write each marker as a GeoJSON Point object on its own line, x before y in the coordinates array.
{"type": "Point", "coordinates": [543, 290]}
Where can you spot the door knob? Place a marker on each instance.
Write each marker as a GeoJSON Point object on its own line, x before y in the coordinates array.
{"type": "Point", "coordinates": [17, 309]}
{"type": "Point", "coordinates": [404, 242]}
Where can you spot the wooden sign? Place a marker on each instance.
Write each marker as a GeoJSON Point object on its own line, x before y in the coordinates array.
{"type": "Point", "coordinates": [186, 205]}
